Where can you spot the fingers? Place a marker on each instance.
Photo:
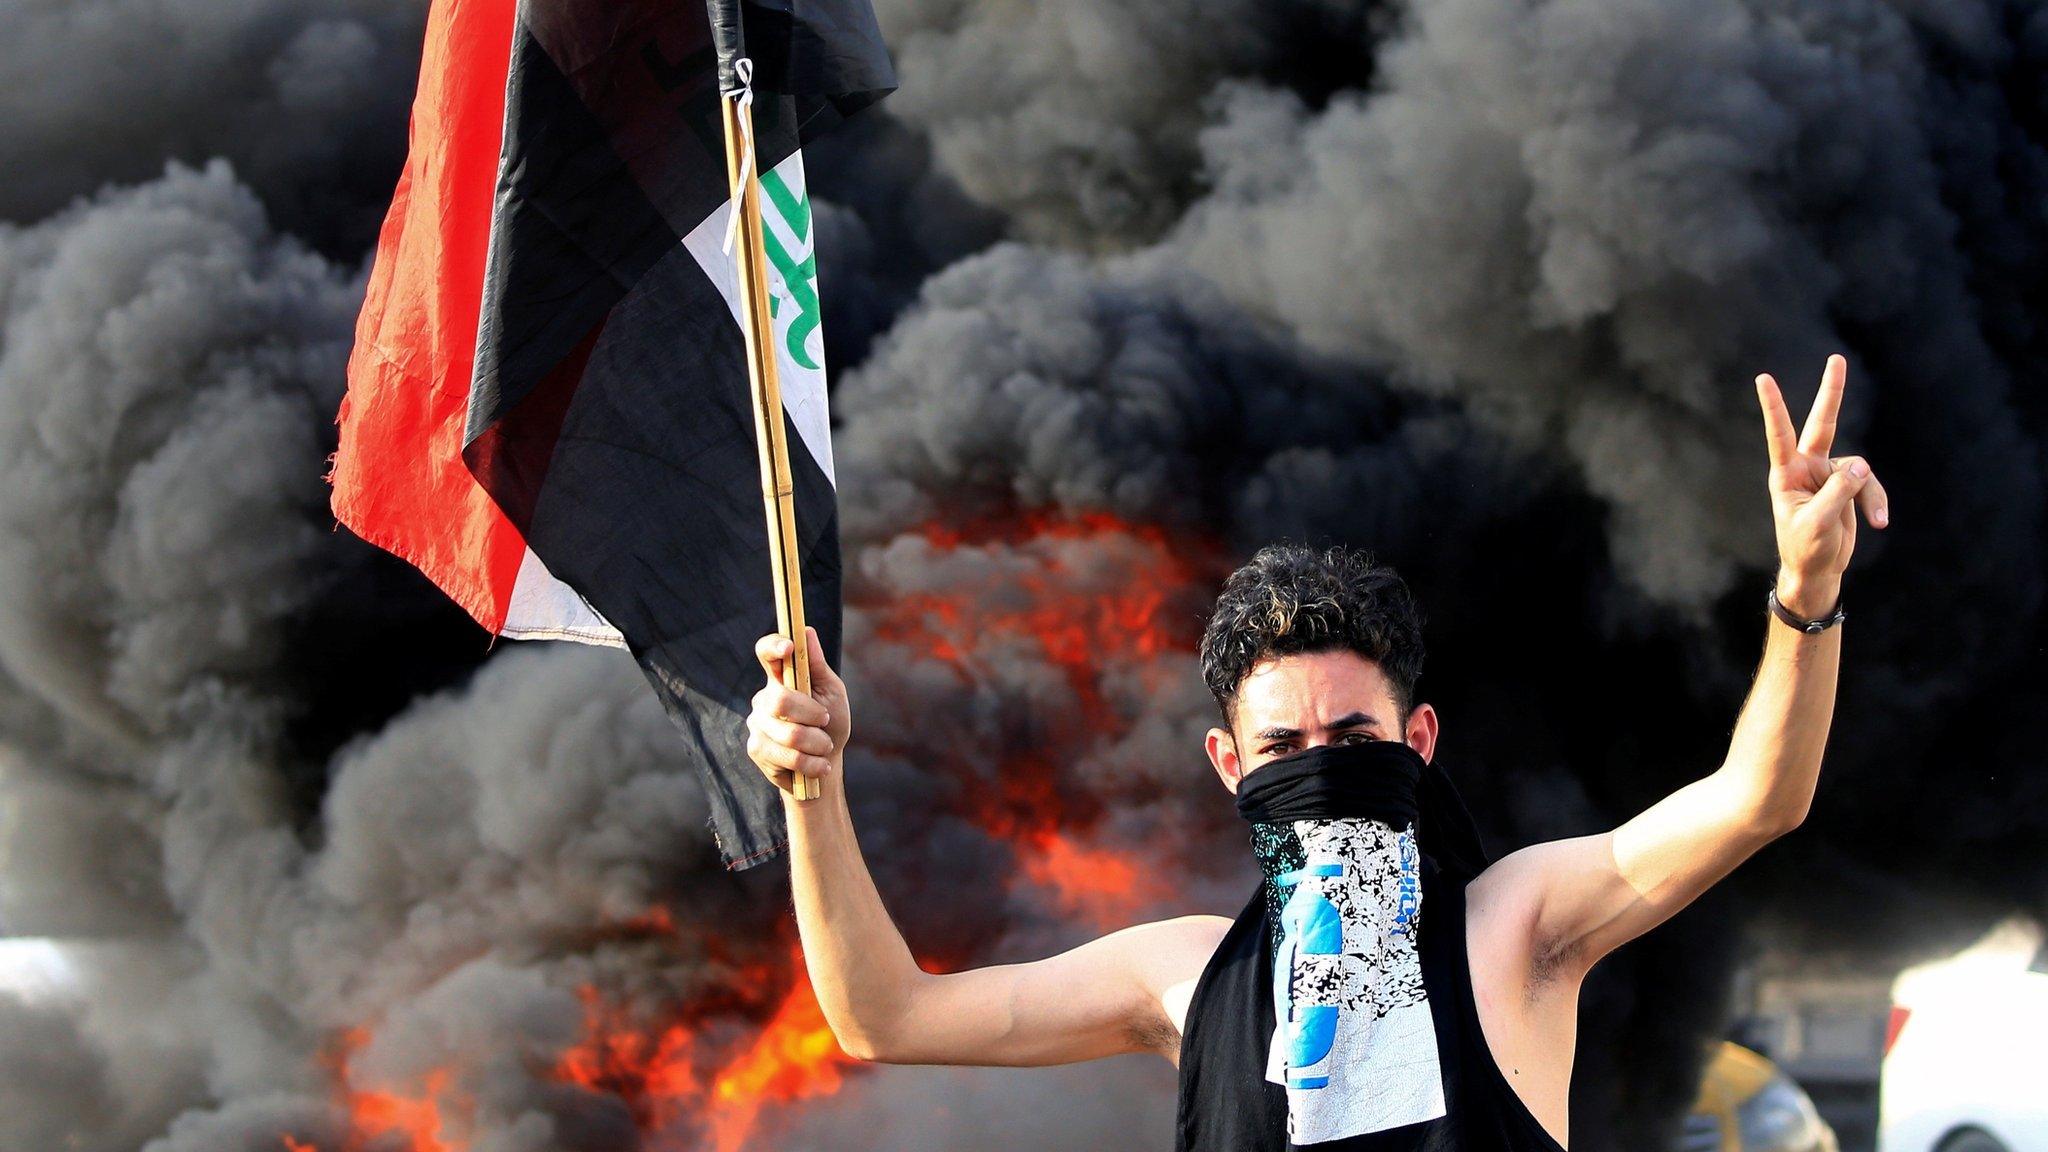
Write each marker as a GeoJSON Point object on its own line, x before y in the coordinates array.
{"type": "Point", "coordinates": [1876, 506]}
{"type": "Point", "coordinates": [1819, 434]}
{"type": "Point", "coordinates": [773, 650]}
{"type": "Point", "coordinates": [775, 702]}
{"type": "Point", "coordinates": [1850, 477]}
{"type": "Point", "coordinates": [1863, 488]}
{"type": "Point", "coordinates": [809, 740]}
{"type": "Point", "coordinates": [1778, 433]}
{"type": "Point", "coordinates": [774, 758]}
{"type": "Point", "coordinates": [786, 734]}
{"type": "Point", "coordinates": [1817, 438]}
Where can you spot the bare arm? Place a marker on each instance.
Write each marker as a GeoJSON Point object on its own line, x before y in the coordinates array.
{"type": "Point", "coordinates": [1579, 899]}
{"type": "Point", "coordinates": [1100, 999]}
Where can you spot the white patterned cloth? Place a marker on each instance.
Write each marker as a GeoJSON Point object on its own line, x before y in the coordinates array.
{"type": "Point", "coordinates": [1353, 1042]}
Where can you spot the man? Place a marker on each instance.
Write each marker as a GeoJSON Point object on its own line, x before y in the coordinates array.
{"type": "Point", "coordinates": [1366, 1038]}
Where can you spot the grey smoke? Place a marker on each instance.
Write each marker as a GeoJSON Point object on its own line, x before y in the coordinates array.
{"type": "Point", "coordinates": [991, 1110]}
{"type": "Point", "coordinates": [308, 98]}
{"type": "Point", "coordinates": [164, 361]}
{"type": "Point", "coordinates": [1596, 245]}
{"type": "Point", "coordinates": [44, 1054]}
{"type": "Point", "coordinates": [1078, 121]}
{"type": "Point", "coordinates": [169, 374]}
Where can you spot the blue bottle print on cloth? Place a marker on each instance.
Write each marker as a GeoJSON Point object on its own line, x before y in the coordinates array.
{"type": "Point", "coordinates": [1309, 924]}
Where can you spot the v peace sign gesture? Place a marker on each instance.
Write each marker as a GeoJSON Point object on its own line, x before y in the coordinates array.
{"type": "Point", "coordinates": [1814, 496]}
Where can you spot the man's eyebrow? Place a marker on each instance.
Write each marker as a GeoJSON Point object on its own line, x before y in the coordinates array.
{"type": "Point", "coordinates": [1341, 723]}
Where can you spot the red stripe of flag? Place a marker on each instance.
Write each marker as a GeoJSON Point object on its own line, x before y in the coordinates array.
{"type": "Point", "coordinates": [399, 478]}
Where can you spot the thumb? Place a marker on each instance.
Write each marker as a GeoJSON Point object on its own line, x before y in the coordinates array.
{"type": "Point", "coordinates": [822, 675]}
{"type": "Point", "coordinates": [1841, 487]}
{"type": "Point", "coordinates": [772, 651]}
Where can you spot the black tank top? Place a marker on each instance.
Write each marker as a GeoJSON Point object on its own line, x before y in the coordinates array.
{"type": "Point", "coordinates": [1227, 1104]}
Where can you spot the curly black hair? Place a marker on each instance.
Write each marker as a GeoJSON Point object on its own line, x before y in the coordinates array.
{"type": "Point", "coordinates": [1290, 599]}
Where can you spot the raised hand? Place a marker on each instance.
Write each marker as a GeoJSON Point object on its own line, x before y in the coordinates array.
{"type": "Point", "coordinates": [1814, 496]}
{"type": "Point", "coordinates": [790, 733]}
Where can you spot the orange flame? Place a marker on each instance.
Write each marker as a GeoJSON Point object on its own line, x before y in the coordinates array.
{"type": "Point", "coordinates": [674, 1077]}
{"type": "Point", "coordinates": [1077, 619]}
{"type": "Point", "coordinates": [795, 1057]}
{"type": "Point", "coordinates": [1101, 885]}
{"type": "Point", "coordinates": [692, 1075]}
{"type": "Point", "coordinates": [1111, 619]}
{"type": "Point", "coordinates": [652, 1072]}
{"type": "Point", "coordinates": [379, 1115]}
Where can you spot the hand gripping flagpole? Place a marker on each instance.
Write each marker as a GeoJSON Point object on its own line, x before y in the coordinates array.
{"type": "Point", "coordinates": [778, 492]}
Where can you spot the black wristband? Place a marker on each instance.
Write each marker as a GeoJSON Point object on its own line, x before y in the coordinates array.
{"type": "Point", "coordinates": [1810, 627]}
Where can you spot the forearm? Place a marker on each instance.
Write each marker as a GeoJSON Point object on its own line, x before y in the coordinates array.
{"type": "Point", "coordinates": [1775, 753]}
{"type": "Point", "coordinates": [1583, 897]}
{"type": "Point", "coordinates": [1589, 895]}
{"type": "Point", "coordinates": [860, 967]}
{"type": "Point", "coordinates": [1091, 1001]}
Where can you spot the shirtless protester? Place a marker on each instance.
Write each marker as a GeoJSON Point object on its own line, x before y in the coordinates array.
{"type": "Point", "coordinates": [1387, 987]}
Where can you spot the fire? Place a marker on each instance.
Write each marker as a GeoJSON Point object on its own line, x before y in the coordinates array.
{"type": "Point", "coordinates": [1100, 885]}
{"type": "Point", "coordinates": [380, 1115]}
{"type": "Point", "coordinates": [676, 1077]}
{"type": "Point", "coordinates": [689, 1079]}
{"type": "Point", "coordinates": [379, 1119]}
{"type": "Point", "coordinates": [794, 1058]}
{"type": "Point", "coordinates": [1116, 609]}
{"type": "Point", "coordinates": [1097, 597]}
{"type": "Point", "coordinates": [655, 1071]}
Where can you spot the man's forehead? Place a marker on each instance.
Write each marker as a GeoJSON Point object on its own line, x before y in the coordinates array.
{"type": "Point", "coordinates": [1312, 689]}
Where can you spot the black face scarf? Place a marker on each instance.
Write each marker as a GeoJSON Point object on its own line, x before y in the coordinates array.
{"type": "Point", "coordinates": [1322, 1013]}
{"type": "Point", "coordinates": [1373, 779]}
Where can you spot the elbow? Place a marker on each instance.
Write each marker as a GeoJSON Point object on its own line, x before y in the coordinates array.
{"type": "Point", "coordinates": [1760, 812]}
{"type": "Point", "coordinates": [876, 1021]}
{"type": "Point", "coordinates": [1771, 821]}
{"type": "Point", "coordinates": [859, 1046]}
{"type": "Point", "coordinates": [869, 1036]}
{"type": "Point", "coordinates": [872, 1047]}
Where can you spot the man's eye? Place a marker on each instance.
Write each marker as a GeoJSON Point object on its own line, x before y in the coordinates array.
{"type": "Point", "coordinates": [1356, 738]}
{"type": "Point", "coordinates": [1277, 749]}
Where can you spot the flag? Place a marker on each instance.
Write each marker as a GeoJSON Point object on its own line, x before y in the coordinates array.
{"type": "Point", "coordinates": [548, 410]}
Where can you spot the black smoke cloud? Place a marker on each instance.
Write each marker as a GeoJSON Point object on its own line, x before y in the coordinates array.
{"type": "Point", "coordinates": [307, 98]}
{"type": "Point", "coordinates": [1079, 121]}
{"type": "Point", "coordinates": [1665, 201]}
{"type": "Point", "coordinates": [1477, 284]}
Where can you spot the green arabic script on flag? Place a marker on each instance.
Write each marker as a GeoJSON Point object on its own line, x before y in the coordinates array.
{"type": "Point", "coordinates": [786, 210]}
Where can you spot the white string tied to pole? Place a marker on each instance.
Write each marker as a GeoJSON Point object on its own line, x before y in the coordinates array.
{"type": "Point", "coordinates": [743, 68]}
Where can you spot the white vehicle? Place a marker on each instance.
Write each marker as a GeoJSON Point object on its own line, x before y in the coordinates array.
{"type": "Point", "coordinates": [33, 969]}
{"type": "Point", "coordinates": [1966, 1050]}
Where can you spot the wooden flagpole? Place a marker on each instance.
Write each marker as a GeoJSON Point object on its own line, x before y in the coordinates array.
{"type": "Point", "coordinates": [778, 492]}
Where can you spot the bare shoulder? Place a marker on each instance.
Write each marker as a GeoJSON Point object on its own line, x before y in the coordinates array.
{"type": "Point", "coordinates": [1512, 907]}
{"type": "Point", "coordinates": [1169, 956]}
{"type": "Point", "coordinates": [1175, 946]}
